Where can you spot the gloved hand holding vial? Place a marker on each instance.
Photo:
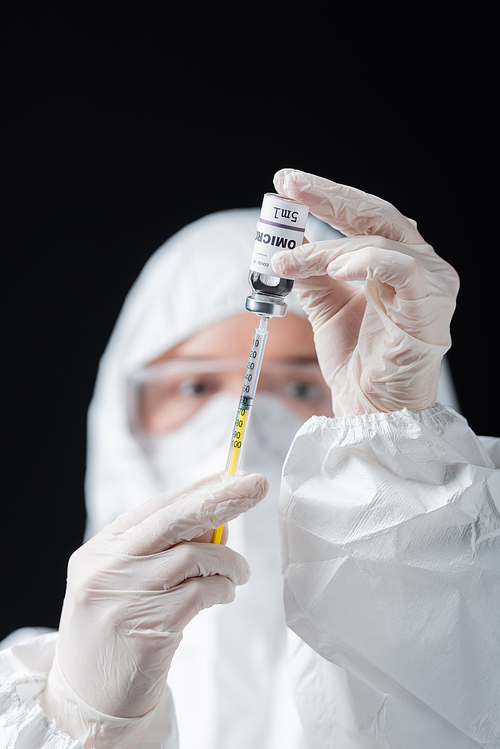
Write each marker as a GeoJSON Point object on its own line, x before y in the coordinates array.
{"type": "Point", "coordinates": [380, 343]}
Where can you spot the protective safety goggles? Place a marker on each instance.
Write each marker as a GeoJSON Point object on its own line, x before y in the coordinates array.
{"type": "Point", "coordinates": [163, 397]}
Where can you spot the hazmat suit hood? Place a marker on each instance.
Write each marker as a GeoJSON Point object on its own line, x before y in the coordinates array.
{"type": "Point", "coordinates": [231, 670]}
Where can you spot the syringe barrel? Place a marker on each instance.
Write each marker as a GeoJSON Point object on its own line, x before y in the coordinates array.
{"type": "Point", "coordinates": [240, 430]}
{"type": "Point", "coordinates": [281, 226]}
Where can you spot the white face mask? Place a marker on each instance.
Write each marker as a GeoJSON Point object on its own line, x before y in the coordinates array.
{"type": "Point", "coordinates": [200, 447]}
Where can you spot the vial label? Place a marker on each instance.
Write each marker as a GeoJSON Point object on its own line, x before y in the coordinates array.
{"type": "Point", "coordinates": [281, 226]}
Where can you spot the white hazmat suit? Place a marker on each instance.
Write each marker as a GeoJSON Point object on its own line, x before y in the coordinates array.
{"type": "Point", "coordinates": [389, 549]}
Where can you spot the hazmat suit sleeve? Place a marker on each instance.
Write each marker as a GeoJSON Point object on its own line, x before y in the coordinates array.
{"type": "Point", "coordinates": [24, 670]}
{"type": "Point", "coordinates": [23, 675]}
{"type": "Point", "coordinates": [390, 527]}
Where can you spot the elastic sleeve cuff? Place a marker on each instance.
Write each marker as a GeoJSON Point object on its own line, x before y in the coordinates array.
{"type": "Point", "coordinates": [95, 730]}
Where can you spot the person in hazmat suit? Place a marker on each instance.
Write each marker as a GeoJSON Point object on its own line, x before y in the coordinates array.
{"type": "Point", "coordinates": [384, 534]}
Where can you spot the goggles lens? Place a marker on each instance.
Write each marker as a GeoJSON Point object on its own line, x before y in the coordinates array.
{"type": "Point", "coordinates": [164, 396]}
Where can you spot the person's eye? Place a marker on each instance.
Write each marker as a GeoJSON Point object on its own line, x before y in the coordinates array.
{"type": "Point", "coordinates": [302, 390]}
{"type": "Point", "coordinates": [196, 388]}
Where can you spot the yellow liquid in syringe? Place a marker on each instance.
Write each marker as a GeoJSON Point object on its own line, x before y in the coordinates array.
{"type": "Point", "coordinates": [237, 441]}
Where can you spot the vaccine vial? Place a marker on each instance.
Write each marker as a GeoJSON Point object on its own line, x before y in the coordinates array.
{"type": "Point", "coordinates": [281, 226]}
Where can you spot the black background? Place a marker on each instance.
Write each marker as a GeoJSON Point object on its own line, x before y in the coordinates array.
{"type": "Point", "coordinates": [119, 130]}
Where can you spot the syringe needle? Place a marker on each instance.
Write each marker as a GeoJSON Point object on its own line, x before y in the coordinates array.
{"type": "Point", "coordinates": [262, 327]}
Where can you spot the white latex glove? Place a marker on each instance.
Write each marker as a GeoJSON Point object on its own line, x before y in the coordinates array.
{"type": "Point", "coordinates": [131, 591]}
{"type": "Point", "coordinates": [379, 345]}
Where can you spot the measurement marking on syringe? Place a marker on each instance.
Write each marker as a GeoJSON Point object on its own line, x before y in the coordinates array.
{"type": "Point", "coordinates": [247, 396]}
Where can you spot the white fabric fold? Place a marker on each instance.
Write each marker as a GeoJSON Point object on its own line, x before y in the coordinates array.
{"type": "Point", "coordinates": [390, 528]}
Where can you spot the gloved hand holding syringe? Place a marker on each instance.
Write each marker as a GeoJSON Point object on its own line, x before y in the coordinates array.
{"type": "Point", "coordinates": [281, 226]}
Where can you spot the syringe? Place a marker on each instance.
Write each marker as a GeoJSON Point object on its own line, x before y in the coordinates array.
{"type": "Point", "coordinates": [244, 411]}
{"type": "Point", "coordinates": [281, 226]}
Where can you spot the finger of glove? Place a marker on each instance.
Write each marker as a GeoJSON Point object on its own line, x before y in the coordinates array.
{"type": "Point", "coordinates": [348, 209]}
{"type": "Point", "coordinates": [402, 272]}
{"type": "Point", "coordinates": [195, 512]}
{"type": "Point", "coordinates": [313, 259]}
{"type": "Point", "coordinates": [197, 594]}
{"type": "Point", "coordinates": [129, 519]}
{"type": "Point", "coordinates": [189, 560]}
{"type": "Point", "coordinates": [353, 259]}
